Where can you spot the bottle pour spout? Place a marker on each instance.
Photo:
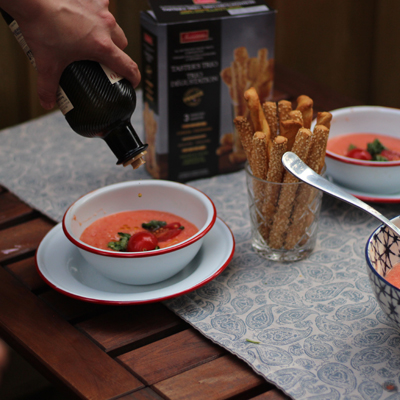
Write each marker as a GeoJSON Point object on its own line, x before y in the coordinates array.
{"type": "Point", "coordinates": [126, 145]}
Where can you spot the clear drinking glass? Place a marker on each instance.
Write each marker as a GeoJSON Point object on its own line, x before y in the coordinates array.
{"type": "Point", "coordinates": [284, 218]}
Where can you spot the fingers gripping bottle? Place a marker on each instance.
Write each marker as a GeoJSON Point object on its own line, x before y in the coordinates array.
{"type": "Point", "coordinates": [96, 102]}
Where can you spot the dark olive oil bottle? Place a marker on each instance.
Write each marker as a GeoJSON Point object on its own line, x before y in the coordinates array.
{"type": "Point", "coordinates": [96, 102]}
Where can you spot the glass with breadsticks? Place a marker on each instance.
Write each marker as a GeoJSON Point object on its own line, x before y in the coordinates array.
{"type": "Point", "coordinates": [284, 211]}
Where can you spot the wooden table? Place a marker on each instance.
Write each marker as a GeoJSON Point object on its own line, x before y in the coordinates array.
{"type": "Point", "coordinates": [139, 352]}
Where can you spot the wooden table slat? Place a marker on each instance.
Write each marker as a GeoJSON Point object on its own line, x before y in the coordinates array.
{"type": "Point", "coordinates": [23, 238]}
{"type": "Point", "coordinates": [145, 394]}
{"type": "Point", "coordinates": [12, 209]}
{"type": "Point", "coordinates": [126, 325]}
{"type": "Point", "coordinates": [25, 271]}
{"type": "Point", "coordinates": [70, 308]}
{"type": "Point", "coordinates": [170, 356]}
{"type": "Point", "coordinates": [51, 342]}
{"type": "Point", "coordinates": [222, 378]}
{"type": "Point", "coordinates": [273, 394]}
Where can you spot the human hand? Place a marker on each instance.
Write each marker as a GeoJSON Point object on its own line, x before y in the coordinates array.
{"type": "Point", "coordinates": [63, 31]}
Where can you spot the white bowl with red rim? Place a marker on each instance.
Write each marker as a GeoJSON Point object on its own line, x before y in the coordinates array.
{"type": "Point", "coordinates": [144, 267]}
{"type": "Point", "coordinates": [379, 177]}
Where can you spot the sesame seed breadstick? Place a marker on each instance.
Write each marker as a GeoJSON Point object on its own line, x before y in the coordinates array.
{"type": "Point", "coordinates": [284, 108]}
{"type": "Point", "coordinates": [289, 129]}
{"type": "Point", "coordinates": [305, 105]}
{"type": "Point", "coordinates": [287, 194]}
{"type": "Point", "coordinates": [256, 112]}
{"type": "Point", "coordinates": [316, 158]}
{"type": "Point", "coordinates": [276, 148]}
{"type": "Point", "coordinates": [302, 217]}
{"type": "Point", "coordinates": [324, 118]}
{"type": "Point", "coordinates": [271, 115]}
{"type": "Point", "coordinates": [258, 166]}
{"type": "Point", "coordinates": [245, 134]}
{"type": "Point", "coordinates": [297, 116]}
{"type": "Point", "coordinates": [259, 162]}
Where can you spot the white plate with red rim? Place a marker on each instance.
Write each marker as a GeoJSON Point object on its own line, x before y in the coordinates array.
{"type": "Point", "coordinates": [370, 197]}
{"type": "Point", "coordinates": [61, 266]}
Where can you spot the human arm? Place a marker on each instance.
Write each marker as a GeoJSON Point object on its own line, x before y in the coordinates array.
{"type": "Point", "coordinates": [59, 32]}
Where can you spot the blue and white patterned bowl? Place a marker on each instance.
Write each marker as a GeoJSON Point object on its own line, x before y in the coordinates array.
{"type": "Point", "coordinates": [382, 253]}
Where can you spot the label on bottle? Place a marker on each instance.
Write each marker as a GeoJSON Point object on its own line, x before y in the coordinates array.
{"type": "Point", "coordinates": [15, 29]}
{"type": "Point", "coordinates": [111, 75]}
{"type": "Point", "coordinates": [63, 101]}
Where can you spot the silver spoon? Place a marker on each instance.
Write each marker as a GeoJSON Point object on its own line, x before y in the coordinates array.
{"type": "Point", "coordinates": [303, 172]}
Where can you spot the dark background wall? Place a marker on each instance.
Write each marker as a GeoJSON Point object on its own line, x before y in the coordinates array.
{"type": "Point", "coordinates": [350, 46]}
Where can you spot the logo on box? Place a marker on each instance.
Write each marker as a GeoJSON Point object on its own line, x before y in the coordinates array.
{"type": "Point", "coordinates": [194, 36]}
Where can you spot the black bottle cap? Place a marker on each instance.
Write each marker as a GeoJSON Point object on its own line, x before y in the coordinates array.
{"type": "Point", "coordinates": [125, 143]}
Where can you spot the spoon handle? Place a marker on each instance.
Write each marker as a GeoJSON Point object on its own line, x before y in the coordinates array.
{"type": "Point", "coordinates": [303, 172]}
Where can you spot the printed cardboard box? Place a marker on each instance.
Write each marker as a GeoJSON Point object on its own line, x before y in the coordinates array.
{"type": "Point", "coordinates": [199, 57]}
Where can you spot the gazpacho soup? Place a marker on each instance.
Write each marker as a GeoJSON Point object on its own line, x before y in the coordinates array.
{"type": "Point", "coordinates": [140, 230]}
{"type": "Point", "coordinates": [366, 146]}
{"type": "Point", "coordinates": [393, 276]}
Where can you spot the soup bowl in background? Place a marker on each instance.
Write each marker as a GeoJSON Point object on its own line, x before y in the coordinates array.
{"type": "Point", "coordinates": [379, 177]}
{"type": "Point", "coordinates": [145, 267]}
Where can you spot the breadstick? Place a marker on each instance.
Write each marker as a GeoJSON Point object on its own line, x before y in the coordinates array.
{"type": "Point", "coordinates": [262, 56]}
{"type": "Point", "coordinates": [223, 149]}
{"type": "Point", "coordinates": [284, 108]}
{"type": "Point", "coordinates": [226, 76]}
{"type": "Point", "coordinates": [316, 158]}
{"type": "Point", "coordinates": [245, 134]}
{"type": "Point", "coordinates": [237, 157]}
{"type": "Point", "coordinates": [276, 148]}
{"type": "Point", "coordinates": [227, 139]}
{"type": "Point", "coordinates": [302, 217]}
{"type": "Point", "coordinates": [324, 118]}
{"type": "Point", "coordinates": [258, 162]}
{"type": "Point", "coordinates": [297, 116]}
{"type": "Point", "coordinates": [258, 166]}
{"type": "Point", "coordinates": [281, 220]}
{"type": "Point", "coordinates": [289, 129]}
{"type": "Point", "coordinates": [270, 112]}
{"type": "Point", "coordinates": [305, 105]}
{"type": "Point", "coordinates": [257, 113]}
{"type": "Point", "coordinates": [252, 69]}
{"type": "Point", "coordinates": [238, 88]}
{"type": "Point", "coordinates": [241, 55]}
{"type": "Point", "coordinates": [262, 74]}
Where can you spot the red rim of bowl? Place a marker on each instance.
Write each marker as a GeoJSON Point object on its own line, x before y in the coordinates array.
{"type": "Point", "coordinates": [141, 254]}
